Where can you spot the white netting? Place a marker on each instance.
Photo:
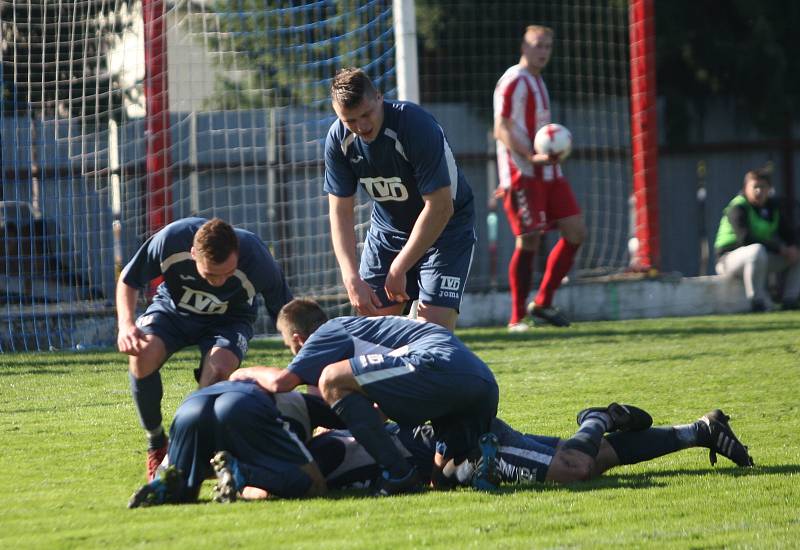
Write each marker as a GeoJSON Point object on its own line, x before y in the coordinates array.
{"type": "Point", "coordinates": [97, 151]}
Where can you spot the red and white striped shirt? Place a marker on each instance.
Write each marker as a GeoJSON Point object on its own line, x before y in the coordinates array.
{"type": "Point", "coordinates": [522, 98]}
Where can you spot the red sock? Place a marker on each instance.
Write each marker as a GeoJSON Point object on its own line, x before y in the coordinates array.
{"type": "Point", "coordinates": [559, 263]}
{"type": "Point", "coordinates": [520, 280]}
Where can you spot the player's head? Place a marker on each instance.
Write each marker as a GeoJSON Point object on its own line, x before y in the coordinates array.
{"type": "Point", "coordinates": [215, 250]}
{"type": "Point", "coordinates": [537, 45]}
{"type": "Point", "coordinates": [298, 320]}
{"type": "Point", "coordinates": [357, 103]}
{"type": "Point", "coordinates": [756, 187]}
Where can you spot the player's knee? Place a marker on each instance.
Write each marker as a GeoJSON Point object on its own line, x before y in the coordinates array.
{"type": "Point", "coordinates": [218, 366]}
{"type": "Point", "coordinates": [576, 235]}
{"type": "Point", "coordinates": [335, 382]}
{"type": "Point", "coordinates": [760, 256]}
{"type": "Point", "coordinates": [143, 365]}
{"type": "Point", "coordinates": [569, 465]}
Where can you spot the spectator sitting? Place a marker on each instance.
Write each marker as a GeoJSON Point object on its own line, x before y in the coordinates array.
{"type": "Point", "coordinates": [755, 239]}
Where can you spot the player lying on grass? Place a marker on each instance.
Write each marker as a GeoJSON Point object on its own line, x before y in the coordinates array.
{"type": "Point", "coordinates": [415, 372]}
{"type": "Point", "coordinates": [526, 458]}
{"type": "Point", "coordinates": [265, 432]}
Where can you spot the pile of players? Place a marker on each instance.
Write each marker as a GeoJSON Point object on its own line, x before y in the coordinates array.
{"type": "Point", "coordinates": [256, 433]}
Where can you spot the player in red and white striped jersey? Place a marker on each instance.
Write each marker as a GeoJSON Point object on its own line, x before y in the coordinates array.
{"type": "Point", "coordinates": [536, 195]}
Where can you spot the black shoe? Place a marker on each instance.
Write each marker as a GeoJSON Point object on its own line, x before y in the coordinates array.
{"type": "Point", "coordinates": [551, 315]}
{"type": "Point", "coordinates": [716, 434]}
{"type": "Point", "coordinates": [230, 480]}
{"type": "Point", "coordinates": [758, 306]}
{"type": "Point", "coordinates": [164, 489]}
{"type": "Point", "coordinates": [486, 477]}
{"type": "Point", "coordinates": [386, 485]}
{"type": "Point", "coordinates": [625, 418]}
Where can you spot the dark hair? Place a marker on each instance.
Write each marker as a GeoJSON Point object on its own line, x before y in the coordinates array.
{"type": "Point", "coordinates": [350, 86]}
{"type": "Point", "coordinates": [302, 315]}
{"type": "Point", "coordinates": [215, 241]}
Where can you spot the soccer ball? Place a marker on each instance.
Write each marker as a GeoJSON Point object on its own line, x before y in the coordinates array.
{"type": "Point", "coordinates": [553, 139]}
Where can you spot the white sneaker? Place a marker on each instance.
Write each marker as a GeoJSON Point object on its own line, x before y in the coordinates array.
{"type": "Point", "coordinates": [521, 326]}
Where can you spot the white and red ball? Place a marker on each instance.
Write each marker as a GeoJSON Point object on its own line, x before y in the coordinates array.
{"type": "Point", "coordinates": [553, 139]}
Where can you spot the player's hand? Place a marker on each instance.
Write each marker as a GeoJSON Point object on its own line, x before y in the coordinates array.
{"type": "Point", "coordinates": [542, 159]}
{"type": "Point", "coordinates": [130, 339]}
{"type": "Point", "coordinates": [362, 297]}
{"type": "Point", "coordinates": [395, 286]}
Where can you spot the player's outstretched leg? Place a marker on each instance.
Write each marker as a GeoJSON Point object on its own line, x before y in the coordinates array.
{"type": "Point", "coordinates": [715, 433]}
{"type": "Point", "coordinates": [230, 480]}
{"type": "Point", "coordinates": [486, 476]}
{"type": "Point", "coordinates": [625, 418]}
{"type": "Point", "coordinates": [163, 489]}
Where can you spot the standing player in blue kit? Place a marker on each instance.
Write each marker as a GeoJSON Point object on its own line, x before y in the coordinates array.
{"type": "Point", "coordinates": [212, 273]}
{"type": "Point", "coordinates": [421, 238]}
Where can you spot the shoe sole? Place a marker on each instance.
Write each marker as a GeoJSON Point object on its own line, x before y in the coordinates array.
{"type": "Point", "coordinates": [225, 489]}
{"type": "Point", "coordinates": [725, 440]}
{"type": "Point", "coordinates": [488, 446]}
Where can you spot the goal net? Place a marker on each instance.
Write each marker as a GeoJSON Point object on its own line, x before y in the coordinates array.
{"type": "Point", "coordinates": [121, 115]}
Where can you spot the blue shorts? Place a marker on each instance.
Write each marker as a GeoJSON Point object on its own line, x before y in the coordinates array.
{"type": "Point", "coordinates": [523, 458]}
{"type": "Point", "coordinates": [457, 393]}
{"type": "Point", "coordinates": [437, 279]}
{"type": "Point", "coordinates": [241, 418]}
{"type": "Point", "coordinates": [180, 331]}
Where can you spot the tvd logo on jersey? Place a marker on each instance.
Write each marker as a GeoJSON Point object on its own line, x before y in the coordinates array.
{"type": "Point", "coordinates": [385, 189]}
{"type": "Point", "coordinates": [449, 286]}
{"type": "Point", "coordinates": [201, 303]}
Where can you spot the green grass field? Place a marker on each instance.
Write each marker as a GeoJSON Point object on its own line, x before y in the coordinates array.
{"type": "Point", "coordinates": [73, 451]}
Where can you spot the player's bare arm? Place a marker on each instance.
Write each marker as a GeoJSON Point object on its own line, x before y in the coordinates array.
{"type": "Point", "coordinates": [343, 235]}
{"type": "Point", "coordinates": [130, 339]}
{"type": "Point", "coordinates": [272, 379]}
{"type": "Point", "coordinates": [431, 222]}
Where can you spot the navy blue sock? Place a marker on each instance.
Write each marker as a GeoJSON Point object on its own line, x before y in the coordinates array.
{"type": "Point", "coordinates": [588, 437]}
{"type": "Point", "coordinates": [634, 447]}
{"type": "Point", "coordinates": [147, 393]}
{"type": "Point", "coordinates": [366, 426]}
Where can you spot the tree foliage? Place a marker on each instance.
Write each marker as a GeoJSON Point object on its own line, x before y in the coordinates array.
{"type": "Point", "coordinates": [54, 56]}
{"type": "Point", "coordinates": [738, 50]}
{"type": "Point", "coordinates": [285, 53]}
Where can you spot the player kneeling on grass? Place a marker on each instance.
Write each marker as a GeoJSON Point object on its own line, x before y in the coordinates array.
{"type": "Point", "coordinates": [415, 372]}
{"type": "Point", "coordinates": [256, 440]}
{"type": "Point", "coordinates": [525, 458]}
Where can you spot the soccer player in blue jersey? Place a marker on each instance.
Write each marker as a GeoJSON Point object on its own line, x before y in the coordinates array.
{"type": "Point", "coordinates": [257, 441]}
{"type": "Point", "coordinates": [527, 458]}
{"type": "Point", "coordinates": [413, 371]}
{"type": "Point", "coordinates": [211, 275]}
{"type": "Point", "coordinates": [421, 238]}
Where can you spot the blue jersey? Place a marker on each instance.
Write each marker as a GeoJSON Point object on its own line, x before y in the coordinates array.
{"type": "Point", "coordinates": [410, 158]}
{"type": "Point", "coordinates": [413, 341]}
{"type": "Point", "coordinates": [183, 291]}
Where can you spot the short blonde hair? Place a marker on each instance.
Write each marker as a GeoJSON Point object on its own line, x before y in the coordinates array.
{"type": "Point", "coordinates": [538, 29]}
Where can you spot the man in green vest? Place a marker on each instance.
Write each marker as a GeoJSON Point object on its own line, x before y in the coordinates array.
{"type": "Point", "coordinates": [755, 239]}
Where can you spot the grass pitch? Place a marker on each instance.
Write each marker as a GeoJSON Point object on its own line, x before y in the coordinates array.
{"type": "Point", "coordinates": [73, 451]}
